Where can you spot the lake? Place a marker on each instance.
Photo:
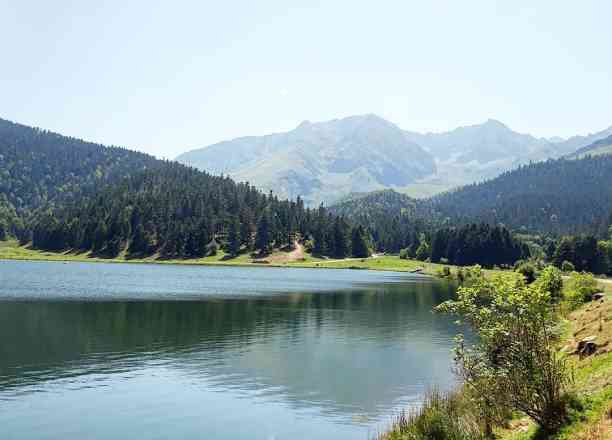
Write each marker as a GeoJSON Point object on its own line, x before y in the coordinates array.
{"type": "Point", "coordinates": [131, 351]}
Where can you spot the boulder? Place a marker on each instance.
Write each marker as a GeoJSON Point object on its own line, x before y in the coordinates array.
{"type": "Point", "coordinates": [587, 346]}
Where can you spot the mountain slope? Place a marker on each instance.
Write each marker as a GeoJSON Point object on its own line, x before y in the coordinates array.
{"type": "Point", "coordinates": [320, 161]}
{"type": "Point", "coordinates": [602, 146]}
{"type": "Point", "coordinates": [556, 196]}
{"type": "Point", "coordinates": [329, 160]}
{"type": "Point", "coordinates": [474, 153]}
{"type": "Point", "coordinates": [38, 167]}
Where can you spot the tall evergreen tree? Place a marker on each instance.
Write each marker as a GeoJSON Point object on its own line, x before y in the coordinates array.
{"type": "Point", "coordinates": [262, 238]}
{"type": "Point", "coordinates": [246, 234]}
{"type": "Point", "coordinates": [233, 237]}
{"type": "Point", "coordinates": [359, 244]}
{"type": "Point", "coordinates": [339, 238]}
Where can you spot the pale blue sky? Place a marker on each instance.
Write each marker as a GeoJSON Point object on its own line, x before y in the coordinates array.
{"type": "Point", "coordinates": [164, 77]}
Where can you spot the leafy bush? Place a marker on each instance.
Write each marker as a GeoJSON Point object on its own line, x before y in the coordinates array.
{"type": "Point", "coordinates": [580, 288]}
{"type": "Point", "coordinates": [551, 281]}
{"type": "Point", "coordinates": [514, 366]}
{"type": "Point", "coordinates": [567, 267]}
{"type": "Point", "coordinates": [404, 254]}
{"type": "Point", "coordinates": [308, 246]}
{"type": "Point", "coordinates": [528, 271]}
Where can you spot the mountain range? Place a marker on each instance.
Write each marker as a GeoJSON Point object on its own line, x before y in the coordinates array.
{"type": "Point", "coordinates": [320, 161]}
{"type": "Point", "coordinates": [60, 192]}
{"type": "Point", "coordinates": [326, 161]}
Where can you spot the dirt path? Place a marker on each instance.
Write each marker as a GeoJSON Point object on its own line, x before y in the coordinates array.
{"type": "Point", "coordinates": [286, 257]}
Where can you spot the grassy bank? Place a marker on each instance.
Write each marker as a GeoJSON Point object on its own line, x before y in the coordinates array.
{"type": "Point", "coordinates": [11, 250]}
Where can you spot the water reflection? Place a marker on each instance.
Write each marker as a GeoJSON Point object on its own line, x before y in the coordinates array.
{"type": "Point", "coordinates": [350, 355]}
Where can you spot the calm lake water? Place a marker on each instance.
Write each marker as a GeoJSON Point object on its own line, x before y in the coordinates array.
{"type": "Point", "coordinates": [117, 351]}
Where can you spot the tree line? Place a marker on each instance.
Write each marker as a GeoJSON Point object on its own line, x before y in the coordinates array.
{"type": "Point", "coordinates": [179, 212]}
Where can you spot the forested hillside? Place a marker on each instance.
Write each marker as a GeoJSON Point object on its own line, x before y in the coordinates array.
{"type": "Point", "coordinates": [553, 197]}
{"type": "Point", "coordinates": [64, 193]}
{"type": "Point", "coordinates": [602, 146]}
{"type": "Point", "coordinates": [557, 196]}
{"type": "Point", "coordinates": [38, 167]}
{"type": "Point", "coordinates": [395, 220]}
{"type": "Point", "coordinates": [180, 212]}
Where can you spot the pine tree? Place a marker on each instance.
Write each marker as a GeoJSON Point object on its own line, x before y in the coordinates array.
{"type": "Point", "coordinates": [318, 236]}
{"type": "Point", "coordinates": [339, 238]}
{"type": "Point", "coordinates": [359, 244]}
{"type": "Point", "coordinates": [233, 238]}
{"type": "Point", "coordinates": [246, 234]}
{"type": "Point", "coordinates": [262, 238]}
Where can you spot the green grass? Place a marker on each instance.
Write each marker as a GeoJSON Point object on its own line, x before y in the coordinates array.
{"type": "Point", "coordinates": [11, 250]}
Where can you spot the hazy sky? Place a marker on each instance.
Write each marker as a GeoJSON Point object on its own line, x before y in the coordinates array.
{"type": "Point", "coordinates": [164, 77]}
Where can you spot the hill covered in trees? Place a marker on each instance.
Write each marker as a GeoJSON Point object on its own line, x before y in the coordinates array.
{"type": "Point", "coordinates": [602, 146]}
{"type": "Point", "coordinates": [179, 212]}
{"type": "Point", "coordinates": [395, 220]}
{"type": "Point", "coordinates": [553, 197]}
{"type": "Point", "coordinates": [557, 196]}
{"type": "Point", "coordinates": [64, 193]}
{"type": "Point", "coordinates": [39, 168]}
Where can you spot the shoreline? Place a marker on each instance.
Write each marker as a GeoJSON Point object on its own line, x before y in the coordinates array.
{"type": "Point", "coordinates": [9, 251]}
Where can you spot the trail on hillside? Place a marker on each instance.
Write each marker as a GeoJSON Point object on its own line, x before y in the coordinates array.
{"type": "Point", "coordinates": [296, 254]}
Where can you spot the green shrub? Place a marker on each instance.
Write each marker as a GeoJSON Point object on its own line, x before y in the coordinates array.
{"type": "Point", "coordinates": [528, 271]}
{"type": "Point", "coordinates": [567, 267]}
{"type": "Point", "coordinates": [551, 280]}
{"type": "Point", "coordinates": [404, 254]}
{"type": "Point", "coordinates": [580, 288]}
{"type": "Point", "coordinates": [308, 246]}
{"type": "Point", "coordinates": [514, 365]}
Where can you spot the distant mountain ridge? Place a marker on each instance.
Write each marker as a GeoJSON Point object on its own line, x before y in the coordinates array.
{"type": "Point", "coordinates": [326, 161]}
{"type": "Point", "coordinates": [475, 153]}
{"type": "Point", "coordinates": [320, 161]}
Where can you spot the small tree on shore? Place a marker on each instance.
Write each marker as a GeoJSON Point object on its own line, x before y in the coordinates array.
{"type": "Point", "coordinates": [514, 366]}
